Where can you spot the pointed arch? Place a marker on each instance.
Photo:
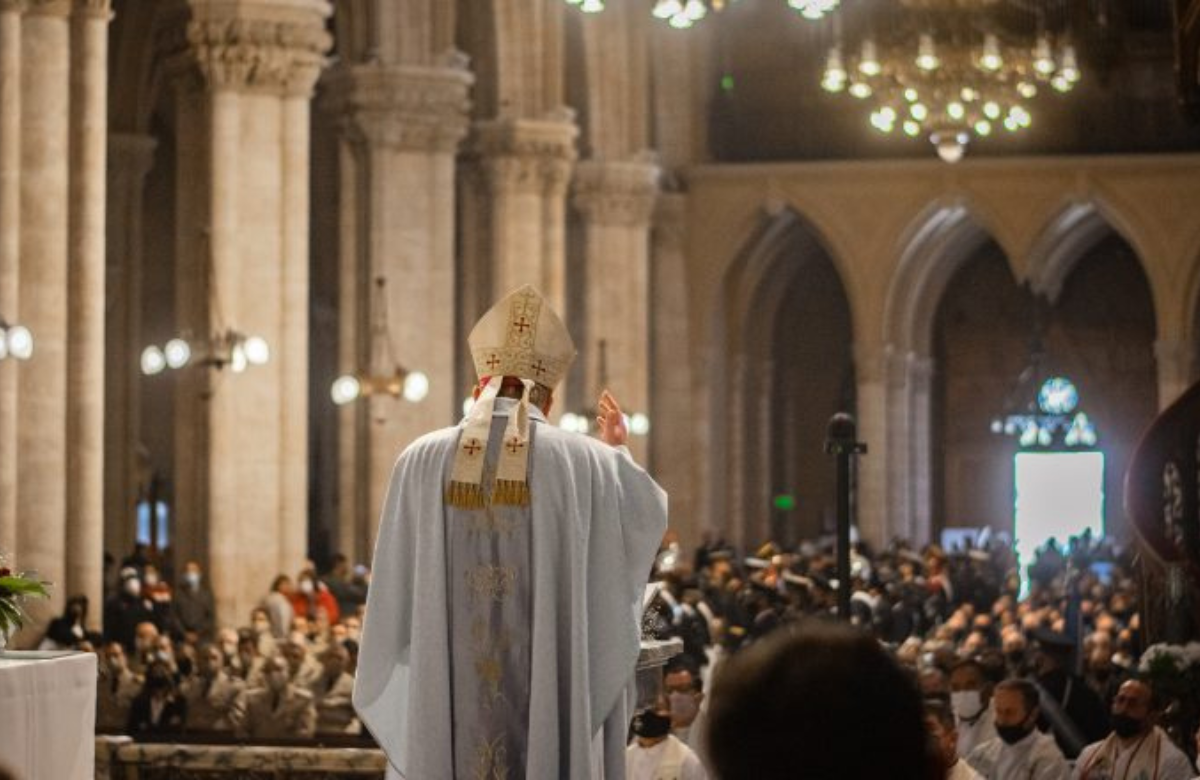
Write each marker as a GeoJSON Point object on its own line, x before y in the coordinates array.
{"type": "Point", "coordinates": [1066, 239]}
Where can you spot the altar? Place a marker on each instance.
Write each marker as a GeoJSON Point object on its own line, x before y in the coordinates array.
{"type": "Point", "coordinates": [48, 720]}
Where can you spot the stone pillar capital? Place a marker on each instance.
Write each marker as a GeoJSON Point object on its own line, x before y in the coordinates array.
{"type": "Point", "coordinates": [43, 7]}
{"type": "Point", "coordinates": [402, 107]}
{"type": "Point", "coordinates": [100, 10]}
{"type": "Point", "coordinates": [527, 155]}
{"type": "Point", "coordinates": [278, 48]}
{"type": "Point", "coordinates": [618, 192]}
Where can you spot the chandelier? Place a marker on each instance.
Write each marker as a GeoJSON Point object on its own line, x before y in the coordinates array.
{"type": "Point", "coordinates": [225, 348]}
{"type": "Point", "coordinates": [682, 14]}
{"type": "Point", "coordinates": [15, 341]}
{"type": "Point", "coordinates": [384, 374]}
{"type": "Point", "coordinates": [955, 70]}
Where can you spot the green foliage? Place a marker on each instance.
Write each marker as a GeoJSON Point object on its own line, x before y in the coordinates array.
{"type": "Point", "coordinates": [14, 589]}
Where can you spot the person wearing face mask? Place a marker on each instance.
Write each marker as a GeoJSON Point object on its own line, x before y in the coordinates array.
{"type": "Point", "coordinates": [1020, 752]}
{"type": "Point", "coordinates": [159, 708]}
{"type": "Point", "coordinates": [1136, 748]}
{"type": "Point", "coordinates": [211, 692]}
{"type": "Point", "coordinates": [311, 596]}
{"type": "Point", "coordinates": [684, 689]}
{"type": "Point", "coordinates": [656, 753]}
{"type": "Point", "coordinates": [116, 689]}
{"type": "Point", "coordinates": [263, 630]}
{"type": "Point", "coordinates": [192, 610]}
{"type": "Point", "coordinates": [277, 709]}
{"type": "Point", "coordinates": [970, 699]}
{"type": "Point", "coordinates": [332, 691]}
{"type": "Point", "coordinates": [126, 609]}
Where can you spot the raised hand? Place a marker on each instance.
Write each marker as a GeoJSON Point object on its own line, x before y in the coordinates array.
{"type": "Point", "coordinates": [611, 421]}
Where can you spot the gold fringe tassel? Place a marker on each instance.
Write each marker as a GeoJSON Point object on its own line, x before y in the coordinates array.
{"type": "Point", "coordinates": [464, 495]}
{"type": "Point", "coordinates": [511, 493]}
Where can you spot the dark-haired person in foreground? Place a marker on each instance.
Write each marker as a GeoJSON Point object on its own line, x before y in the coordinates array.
{"type": "Point", "coordinates": [1021, 752]}
{"type": "Point", "coordinates": [823, 702]}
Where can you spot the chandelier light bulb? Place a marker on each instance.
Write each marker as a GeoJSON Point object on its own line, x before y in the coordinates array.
{"type": "Point", "coordinates": [256, 350]}
{"type": "Point", "coordinates": [639, 424]}
{"type": "Point", "coordinates": [20, 342]}
{"type": "Point", "coordinates": [983, 128]}
{"type": "Point", "coordinates": [1011, 125]}
{"type": "Point", "coordinates": [991, 109]}
{"type": "Point", "coordinates": [177, 353]}
{"type": "Point", "coordinates": [868, 63]}
{"type": "Point", "coordinates": [991, 60]}
{"type": "Point", "coordinates": [860, 90]}
{"type": "Point", "coordinates": [237, 358]}
{"type": "Point", "coordinates": [416, 387]}
{"type": "Point", "coordinates": [153, 360]}
{"type": "Point", "coordinates": [680, 21]}
{"type": "Point", "coordinates": [919, 111]}
{"type": "Point", "coordinates": [591, 6]}
{"type": "Point", "coordinates": [576, 423]}
{"type": "Point", "coordinates": [665, 9]}
{"type": "Point", "coordinates": [1061, 83]}
{"type": "Point", "coordinates": [1043, 58]}
{"type": "Point", "coordinates": [969, 94]}
{"type": "Point", "coordinates": [834, 78]}
{"type": "Point", "coordinates": [911, 128]}
{"type": "Point", "coordinates": [1069, 68]}
{"type": "Point", "coordinates": [911, 95]}
{"type": "Point", "coordinates": [694, 10]}
{"type": "Point", "coordinates": [955, 110]}
{"type": "Point", "coordinates": [1027, 89]}
{"type": "Point", "coordinates": [345, 389]}
{"type": "Point", "coordinates": [1019, 115]}
{"type": "Point", "coordinates": [927, 58]}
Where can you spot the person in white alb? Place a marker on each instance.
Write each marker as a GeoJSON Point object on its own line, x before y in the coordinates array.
{"type": "Point", "coordinates": [1020, 752]}
{"type": "Point", "coordinates": [657, 754]}
{"type": "Point", "coordinates": [502, 622]}
{"type": "Point", "coordinates": [1136, 749]}
{"type": "Point", "coordinates": [971, 699]}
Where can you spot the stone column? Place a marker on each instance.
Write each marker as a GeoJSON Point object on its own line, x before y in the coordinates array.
{"type": "Point", "coordinates": [401, 126]}
{"type": "Point", "coordinates": [920, 434]}
{"type": "Point", "coordinates": [130, 158]}
{"type": "Point", "coordinates": [1174, 359]}
{"type": "Point", "coordinates": [870, 499]}
{"type": "Point", "coordinates": [525, 163]}
{"type": "Point", "coordinates": [616, 202]}
{"type": "Point", "coordinates": [85, 353]}
{"type": "Point", "coordinates": [247, 70]}
{"type": "Point", "coordinates": [10, 254]}
{"type": "Point", "coordinates": [42, 383]}
{"type": "Point", "coordinates": [674, 432]}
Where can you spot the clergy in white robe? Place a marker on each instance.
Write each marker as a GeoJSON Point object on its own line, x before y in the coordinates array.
{"type": "Point", "coordinates": [501, 632]}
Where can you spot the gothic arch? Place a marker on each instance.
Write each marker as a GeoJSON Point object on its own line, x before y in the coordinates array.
{"type": "Point", "coordinates": [937, 243]}
{"type": "Point", "coordinates": [755, 287]}
{"type": "Point", "coordinates": [1065, 240]}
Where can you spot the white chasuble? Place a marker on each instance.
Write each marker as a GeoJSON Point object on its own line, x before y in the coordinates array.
{"type": "Point", "coordinates": [501, 642]}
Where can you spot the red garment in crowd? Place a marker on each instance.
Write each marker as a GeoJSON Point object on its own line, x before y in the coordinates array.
{"type": "Point", "coordinates": [306, 605]}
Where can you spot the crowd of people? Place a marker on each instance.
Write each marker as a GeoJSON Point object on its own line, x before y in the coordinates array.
{"type": "Point", "coordinates": [1011, 678]}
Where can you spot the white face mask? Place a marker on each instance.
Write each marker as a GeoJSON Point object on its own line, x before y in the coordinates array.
{"type": "Point", "coordinates": [684, 708]}
{"type": "Point", "coordinates": [133, 587]}
{"type": "Point", "coordinates": [192, 578]}
{"type": "Point", "coordinates": [151, 579]}
{"type": "Point", "coordinates": [306, 586]}
{"type": "Point", "coordinates": [966, 704]}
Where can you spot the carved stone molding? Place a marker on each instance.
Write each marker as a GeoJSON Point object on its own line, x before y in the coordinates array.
{"type": "Point", "coordinates": [47, 7]}
{"type": "Point", "coordinates": [616, 193]}
{"type": "Point", "coordinates": [526, 155]}
{"type": "Point", "coordinates": [93, 9]}
{"type": "Point", "coordinates": [247, 54]}
{"type": "Point", "coordinates": [401, 107]}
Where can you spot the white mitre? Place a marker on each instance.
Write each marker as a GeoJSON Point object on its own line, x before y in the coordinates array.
{"type": "Point", "coordinates": [521, 336]}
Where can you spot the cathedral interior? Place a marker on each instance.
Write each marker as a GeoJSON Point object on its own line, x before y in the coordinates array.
{"type": "Point", "coordinates": [247, 239]}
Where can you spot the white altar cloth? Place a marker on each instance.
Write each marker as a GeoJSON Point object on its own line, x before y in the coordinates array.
{"type": "Point", "coordinates": [48, 715]}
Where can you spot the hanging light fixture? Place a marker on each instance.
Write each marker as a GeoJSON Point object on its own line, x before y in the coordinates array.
{"type": "Point", "coordinates": [384, 374]}
{"type": "Point", "coordinates": [16, 341]}
{"type": "Point", "coordinates": [230, 348]}
{"type": "Point", "coordinates": [967, 76]}
{"type": "Point", "coordinates": [682, 14]}
{"type": "Point", "coordinates": [583, 420]}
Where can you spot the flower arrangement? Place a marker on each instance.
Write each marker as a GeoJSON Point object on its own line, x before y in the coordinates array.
{"type": "Point", "coordinates": [14, 590]}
